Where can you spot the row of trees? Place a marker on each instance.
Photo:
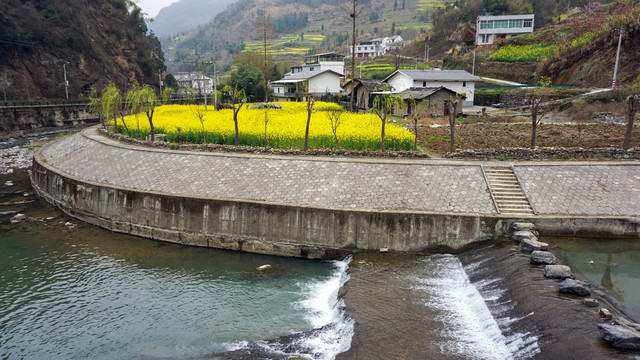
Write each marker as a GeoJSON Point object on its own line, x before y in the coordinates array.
{"type": "Point", "coordinates": [112, 104]}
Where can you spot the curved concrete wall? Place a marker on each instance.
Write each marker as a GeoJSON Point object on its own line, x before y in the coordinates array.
{"type": "Point", "coordinates": [258, 227]}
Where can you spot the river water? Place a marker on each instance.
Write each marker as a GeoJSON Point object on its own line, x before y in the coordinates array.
{"type": "Point", "coordinates": [71, 290]}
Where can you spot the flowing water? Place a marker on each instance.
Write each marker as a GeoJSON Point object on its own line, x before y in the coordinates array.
{"type": "Point", "coordinates": [71, 290]}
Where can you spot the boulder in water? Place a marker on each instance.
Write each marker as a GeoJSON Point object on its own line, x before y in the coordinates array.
{"type": "Point", "coordinates": [529, 245]}
{"type": "Point", "coordinates": [263, 267]}
{"type": "Point", "coordinates": [523, 226]}
{"type": "Point", "coordinates": [557, 271]}
{"type": "Point", "coordinates": [622, 334]}
{"type": "Point", "coordinates": [575, 287]}
{"type": "Point", "coordinates": [590, 302]}
{"type": "Point", "coordinates": [19, 218]}
{"type": "Point", "coordinates": [543, 257]}
{"type": "Point", "coordinates": [522, 235]}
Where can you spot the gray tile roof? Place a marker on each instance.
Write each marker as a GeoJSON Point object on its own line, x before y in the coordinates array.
{"type": "Point", "coordinates": [437, 75]}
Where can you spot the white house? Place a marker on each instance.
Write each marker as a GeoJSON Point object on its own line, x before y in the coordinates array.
{"type": "Point", "coordinates": [377, 46]}
{"type": "Point", "coordinates": [321, 75]}
{"type": "Point", "coordinates": [318, 83]}
{"type": "Point", "coordinates": [197, 81]}
{"type": "Point", "coordinates": [491, 28]}
{"type": "Point", "coordinates": [459, 81]}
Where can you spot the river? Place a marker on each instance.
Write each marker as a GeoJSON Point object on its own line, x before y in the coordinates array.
{"type": "Point", "coordinates": [71, 290]}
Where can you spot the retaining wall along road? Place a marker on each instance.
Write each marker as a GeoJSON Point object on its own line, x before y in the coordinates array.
{"type": "Point", "coordinates": [255, 226]}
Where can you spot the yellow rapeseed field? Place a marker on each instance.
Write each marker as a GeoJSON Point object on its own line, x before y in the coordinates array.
{"type": "Point", "coordinates": [285, 127]}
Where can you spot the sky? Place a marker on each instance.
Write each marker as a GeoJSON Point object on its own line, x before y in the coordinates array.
{"type": "Point", "coordinates": [152, 7]}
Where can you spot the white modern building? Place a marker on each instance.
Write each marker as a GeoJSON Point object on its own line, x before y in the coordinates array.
{"type": "Point", "coordinates": [377, 46]}
{"type": "Point", "coordinates": [458, 81]}
{"type": "Point", "coordinates": [320, 75]}
{"type": "Point", "coordinates": [492, 28]}
{"type": "Point", "coordinates": [196, 81]}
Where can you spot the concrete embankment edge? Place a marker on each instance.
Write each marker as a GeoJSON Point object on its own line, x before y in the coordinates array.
{"type": "Point", "coordinates": [288, 230]}
{"type": "Point", "coordinates": [257, 227]}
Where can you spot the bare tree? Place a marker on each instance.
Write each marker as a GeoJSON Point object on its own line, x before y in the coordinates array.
{"type": "Point", "coordinates": [418, 109]}
{"type": "Point", "coordinates": [353, 8]}
{"type": "Point", "coordinates": [238, 99]}
{"type": "Point", "coordinates": [535, 98]}
{"type": "Point", "coordinates": [383, 106]}
{"type": "Point", "coordinates": [199, 112]}
{"type": "Point", "coordinates": [454, 102]}
{"type": "Point", "coordinates": [335, 117]}
{"type": "Point", "coordinates": [265, 33]}
{"type": "Point", "coordinates": [266, 121]}
{"type": "Point", "coordinates": [633, 102]}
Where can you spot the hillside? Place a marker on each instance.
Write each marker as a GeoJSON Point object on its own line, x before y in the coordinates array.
{"type": "Point", "coordinates": [99, 41]}
{"type": "Point", "coordinates": [324, 27]}
{"type": "Point", "coordinates": [185, 15]}
{"type": "Point", "coordinates": [577, 48]}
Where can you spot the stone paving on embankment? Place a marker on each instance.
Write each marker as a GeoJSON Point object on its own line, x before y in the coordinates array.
{"type": "Point", "coordinates": [553, 188]}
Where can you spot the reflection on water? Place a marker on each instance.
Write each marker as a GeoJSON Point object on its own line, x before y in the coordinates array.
{"type": "Point", "coordinates": [77, 291]}
{"type": "Point", "coordinates": [613, 264]}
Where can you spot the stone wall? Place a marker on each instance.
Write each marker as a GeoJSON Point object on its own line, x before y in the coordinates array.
{"type": "Point", "coordinates": [544, 153]}
{"type": "Point", "coordinates": [258, 227]}
{"type": "Point", "coordinates": [21, 118]}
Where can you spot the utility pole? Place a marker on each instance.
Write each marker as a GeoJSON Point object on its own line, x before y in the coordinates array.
{"type": "Point", "coordinates": [204, 88]}
{"type": "Point", "coordinates": [66, 83]}
{"type": "Point", "coordinates": [615, 69]}
{"type": "Point", "coordinates": [160, 82]}
{"type": "Point", "coordinates": [215, 88]}
{"type": "Point", "coordinates": [426, 52]}
{"type": "Point", "coordinates": [473, 67]}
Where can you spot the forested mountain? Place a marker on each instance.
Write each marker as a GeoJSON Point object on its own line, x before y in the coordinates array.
{"type": "Point", "coordinates": [186, 14]}
{"type": "Point", "coordinates": [97, 42]}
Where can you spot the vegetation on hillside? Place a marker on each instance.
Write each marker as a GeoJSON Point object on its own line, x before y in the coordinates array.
{"type": "Point", "coordinates": [94, 41]}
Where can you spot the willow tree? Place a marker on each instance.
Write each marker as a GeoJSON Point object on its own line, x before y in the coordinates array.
{"type": "Point", "coordinates": [94, 106]}
{"type": "Point", "coordinates": [111, 102]}
{"type": "Point", "coordinates": [144, 100]}
{"type": "Point", "coordinates": [383, 106]}
{"type": "Point", "coordinates": [167, 95]}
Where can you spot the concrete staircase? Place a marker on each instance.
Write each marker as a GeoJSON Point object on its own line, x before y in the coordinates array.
{"type": "Point", "coordinates": [505, 189]}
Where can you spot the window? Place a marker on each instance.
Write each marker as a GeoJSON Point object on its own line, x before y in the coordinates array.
{"type": "Point", "coordinates": [528, 23]}
{"type": "Point", "coordinates": [483, 24]}
{"type": "Point", "coordinates": [312, 69]}
{"type": "Point", "coordinates": [424, 84]}
{"type": "Point", "coordinates": [515, 23]}
{"type": "Point", "coordinates": [501, 24]}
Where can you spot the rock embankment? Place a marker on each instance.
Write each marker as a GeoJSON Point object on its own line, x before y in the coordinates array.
{"type": "Point", "coordinates": [621, 334]}
{"type": "Point", "coordinates": [14, 158]}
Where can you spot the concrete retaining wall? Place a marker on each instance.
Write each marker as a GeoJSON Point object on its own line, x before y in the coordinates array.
{"type": "Point", "coordinates": [46, 116]}
{"type": "Point", "coordinates": [258, 227]}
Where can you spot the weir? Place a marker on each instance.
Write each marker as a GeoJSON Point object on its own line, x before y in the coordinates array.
{"type": "Point", "coordinates": [319, 208]}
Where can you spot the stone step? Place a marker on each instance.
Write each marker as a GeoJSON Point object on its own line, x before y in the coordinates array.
{"type": "Point", "coordinates": [507, 193]}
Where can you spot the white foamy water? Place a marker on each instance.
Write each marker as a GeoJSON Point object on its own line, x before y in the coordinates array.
{"type": "Point", "coordinates": [332, 330]}
{"type": "Point", "coordinates": [472, 331]}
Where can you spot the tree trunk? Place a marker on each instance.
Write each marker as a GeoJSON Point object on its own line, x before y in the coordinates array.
{"type": "Point", "coordinates": [382, 135]}
{"type": "Point", "coordinates": [353, 56]}
{"type": "Point", "coordinates": [150, 116]}
{"type": "Point", "coordinates": [115, 124]}
{"type": "Point", "coordinates": [534, 124]}
{"type": "Point", "coordinates": [235, 122]}
{"type": "Point", "coordinates": [306, 132]}
{"type": "Point", "coordinates": [452, 126]}
{"type": "Point", "coordinates": [204, 139]}
{"type": "Point", "coordinates": [632, 102]}
{"type": "Point", "coordinates": [415, 133]}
